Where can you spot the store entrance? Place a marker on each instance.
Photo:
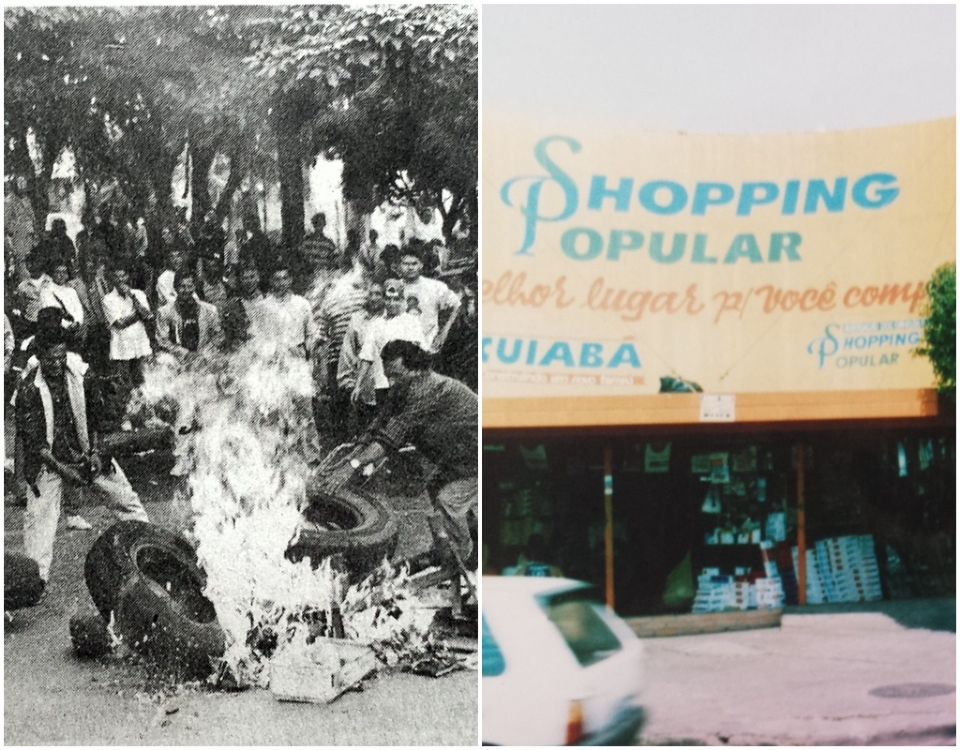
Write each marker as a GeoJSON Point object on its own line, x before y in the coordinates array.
{"type": "Point", "coordinates": [688, 509]}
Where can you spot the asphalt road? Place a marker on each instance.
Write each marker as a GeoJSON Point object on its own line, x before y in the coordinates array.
{"type": "Point", "coordinates": [51, 697]}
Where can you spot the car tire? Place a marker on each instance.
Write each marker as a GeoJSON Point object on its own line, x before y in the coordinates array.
{"type": "Point", "coordinates": [132, 442]}
{"type": "Point", "coordinates": [112, 558]}
{"type": "Point", "coordinates": [177, 633]}
{"type": "Point", "coordinates": [22, 585]}
{"type": "Point", "coordinates": [149, 578]}
{"type": "Point", "coordinates": [360, 529]}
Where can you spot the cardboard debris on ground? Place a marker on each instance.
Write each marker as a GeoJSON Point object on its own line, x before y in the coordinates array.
{"type": "Point", "coordinates": [321, 671]}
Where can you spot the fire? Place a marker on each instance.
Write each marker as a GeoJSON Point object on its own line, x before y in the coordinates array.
{"type": "Point", "coordinates": [247, 442]}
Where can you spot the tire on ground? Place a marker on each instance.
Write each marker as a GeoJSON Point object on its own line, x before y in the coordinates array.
{"type": "Point", "coordinates": [359, 528]}
{"type": "Point", "coordinates": [178, 634]}
{"type": "Point", "coordinates": [112, 558]}
{"type": "Point", "coordinates": [22, 585]}
{"type": "Point", "coordinates": [150, 579]}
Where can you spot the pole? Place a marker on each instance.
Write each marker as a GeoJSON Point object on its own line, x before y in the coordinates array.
{"type": "Point", "coordinates": [608, 511]}
{"type": "Point", "coordinates": [801, 529]}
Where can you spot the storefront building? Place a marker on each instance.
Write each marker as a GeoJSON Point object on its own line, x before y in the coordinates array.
{"type": "Point", "coordinates": [698, 355]}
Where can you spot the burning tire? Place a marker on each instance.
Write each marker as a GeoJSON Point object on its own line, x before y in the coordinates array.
{"type": "Point", "coordinates": [360, 529]}
{"type": "Point", "coordinates": [22, 585]}
{"type": "Point", "coordinates": [149, 578]}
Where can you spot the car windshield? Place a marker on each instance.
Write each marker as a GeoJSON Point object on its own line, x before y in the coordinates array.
{"type": "Point", "coordinates": [576, 614]}
{"type": "Point", "coordinates": [493, 663]}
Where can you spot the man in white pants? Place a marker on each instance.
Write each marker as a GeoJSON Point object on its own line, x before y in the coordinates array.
{"type": "Point", "coordinates": [60, 446]}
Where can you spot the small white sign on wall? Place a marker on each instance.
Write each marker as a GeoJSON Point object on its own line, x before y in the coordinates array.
{"type": "Point", "coordinates": [718, 408]}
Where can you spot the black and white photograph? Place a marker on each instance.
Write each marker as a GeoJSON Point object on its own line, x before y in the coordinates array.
{"type": "Point", "coordinates": [241, 374]}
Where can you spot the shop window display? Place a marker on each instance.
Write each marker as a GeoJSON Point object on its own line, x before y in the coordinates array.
{"type": "Point", "coordinates": [688, 509]}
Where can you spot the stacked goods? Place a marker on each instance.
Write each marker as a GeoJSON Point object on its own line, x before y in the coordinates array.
{"type": "Point", "coordinates": [769, 593]}
{"type": "Point", "coordinates": [744, 595]}
{"type": "Point", "coordinates": [769, 590]}
{"type": "Point", "coordinates": [828, 580]}
{"type": "Point", "coordinates": [854, 564]}
{"type": "Point", "coordinates": [816, 584]}
{"type": "Point", "coordinates": [768, 554]}
{"type": "Point", "coordinates": [842, 569]}
{"type": "Point", "coordinates": [788, 573]}
{"type": "Point", "coordinates": [717, 593]}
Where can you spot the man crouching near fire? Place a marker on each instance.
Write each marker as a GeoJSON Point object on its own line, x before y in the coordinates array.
{"type": "Point", "coordinates": [59, 446]}
{"type": "Point", "coordinates": [439, 416]}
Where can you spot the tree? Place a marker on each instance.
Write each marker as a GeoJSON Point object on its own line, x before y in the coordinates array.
{"type": "Point", "coordinates": [45, 100]}
{"type": "Point", "coordinates": [940, 328]}
{"type": "Point", "coordinates": [392, 90]}
{"type": "Point", "coordinates": [130, 90]}
{"type": "Point", "coordinates": [171, 82]}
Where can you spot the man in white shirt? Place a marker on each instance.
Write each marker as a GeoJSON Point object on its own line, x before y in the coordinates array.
{"type": "Point", "coordinates": [58, 294]}
{"type": "Point", "coordinates": [166, 293]}
{"type": "Point", "coordinates": [29, 291]}
{"type": "Point", "coordinates": [187, 325]}
{"type": "Point", "coordinates": [126, 311]}
{"type": "Point", "coordinates": [242, 316]}
{"type": "Point", "coordinates": [432, 296]}
{"type": "Point", "coordinates": [394, 324]}
{"type": "Point", "coordinates": [286, 317]}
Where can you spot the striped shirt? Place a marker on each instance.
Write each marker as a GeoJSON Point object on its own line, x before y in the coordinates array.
{"type": "Point", "coordinates": [342, 300]}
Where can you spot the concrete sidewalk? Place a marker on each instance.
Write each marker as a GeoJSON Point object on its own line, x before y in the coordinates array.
{"type": "Point", "coordinates": [879, 674]}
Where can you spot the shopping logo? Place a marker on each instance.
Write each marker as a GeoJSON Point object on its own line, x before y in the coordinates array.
{"type": "Point", "coordinates": [535, 185]}
{"type": "Point", "coordinates": [554, 196]}
{"type": "Point", "coordinates": [826, 346]}
{"type": "Point", "coordinates": [865, 344]}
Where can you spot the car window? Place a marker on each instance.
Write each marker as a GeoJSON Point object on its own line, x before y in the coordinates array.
{"type": "Point", "coordinates": [577, 616]}
{"type": "Point", "coordinates": [493, 662]}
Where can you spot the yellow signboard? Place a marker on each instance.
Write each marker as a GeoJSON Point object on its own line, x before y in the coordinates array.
{"type": "Point", "coordinates": [620, 263]}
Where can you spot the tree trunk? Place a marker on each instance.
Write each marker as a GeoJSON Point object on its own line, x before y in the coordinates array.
{"type": "Point", "coordinates": [202, 158]}
{"type": "Point", "coordinates": [292, 211]}
{"type": "Point", "coordinates": [38, 183]}
{"type": "Point", "coordinates": [39, 190]}
{"type": "Point", "coordinates": [473, 219]}
{"type": "Point", "coordinates": [161, 177]}
{"type": "Point", "coordinates": [357, 220]}
{"type": "Point", "coordinates": [450, 217]}
{"type": "Point", "coordinates": [233, 183]}
{"type": "Point", "coordinates": [289, 163]}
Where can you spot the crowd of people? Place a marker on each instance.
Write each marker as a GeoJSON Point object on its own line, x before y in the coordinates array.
{"type": "Point", "coordinates": [83, 317]}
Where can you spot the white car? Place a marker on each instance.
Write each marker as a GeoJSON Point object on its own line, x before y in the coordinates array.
{"type": "Point", "coordinates": [558, 666]}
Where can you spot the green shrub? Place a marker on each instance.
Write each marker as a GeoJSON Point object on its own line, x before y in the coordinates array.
{"type": "Point", "coordinates": [940, 329]}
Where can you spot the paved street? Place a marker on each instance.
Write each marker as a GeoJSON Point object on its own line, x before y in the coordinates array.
{"type": "Point", "coordinates": [883, 675]}
{"type": "Point", "coordinates": [51, 697]}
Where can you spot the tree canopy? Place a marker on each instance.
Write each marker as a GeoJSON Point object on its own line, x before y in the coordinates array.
{"type": "Point", "coordinates": [392, 90]}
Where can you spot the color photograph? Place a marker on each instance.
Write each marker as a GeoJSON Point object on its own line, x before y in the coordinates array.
{"type": "Point", "coordinates": [718, 355]}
